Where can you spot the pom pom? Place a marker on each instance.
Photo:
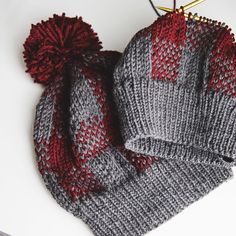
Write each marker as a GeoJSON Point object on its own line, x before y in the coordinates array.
{"type": "Point", "coordinates": [55, 42]}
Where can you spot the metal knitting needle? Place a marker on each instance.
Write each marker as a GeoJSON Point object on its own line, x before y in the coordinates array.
{"type": "Point", "coordinates": [186, 7]}
{"type": "Point", "coordinates": [194, 16]}
{"type": "Point", "coordinates": [193, 4]}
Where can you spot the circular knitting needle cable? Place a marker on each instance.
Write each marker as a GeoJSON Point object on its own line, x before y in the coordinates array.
{"type": "Point", "coordinates": [174, 5]}
{"type": "Point", "coordinates": [154, 8]}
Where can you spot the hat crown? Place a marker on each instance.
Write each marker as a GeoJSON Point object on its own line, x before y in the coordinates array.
{"type": "Point", "coordinates": [176, 82]}
{"type": "Point", "coordinates": [190, 53]}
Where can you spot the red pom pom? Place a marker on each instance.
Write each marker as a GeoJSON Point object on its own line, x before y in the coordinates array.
{"type": "Point", "coordinates": [55, 42]}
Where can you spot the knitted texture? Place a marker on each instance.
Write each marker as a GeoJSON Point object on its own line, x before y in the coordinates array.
{"type": "Point", "coordinates": [89, 172]}
{"type": "Point", "coordinates": [78, 144]}
{"type": "Point", "coordinates": [175, 87]}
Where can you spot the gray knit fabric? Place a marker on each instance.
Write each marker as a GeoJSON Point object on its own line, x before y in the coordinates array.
{"type": "Point", "coordinates": [146, 201]}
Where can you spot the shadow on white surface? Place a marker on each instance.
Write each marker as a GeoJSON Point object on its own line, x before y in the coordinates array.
{"type": "Point", "coordinates": [4, 234]}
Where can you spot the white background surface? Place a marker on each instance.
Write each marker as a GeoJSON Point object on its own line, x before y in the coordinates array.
{"type": "Point", "coordinates": [26, 207]}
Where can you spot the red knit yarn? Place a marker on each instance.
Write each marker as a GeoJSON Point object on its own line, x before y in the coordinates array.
{"type": "Point", "coordinates": [139, 161]}
{"type": "Point", "coordinates": [170, 27]}
{"type": "Point", "coordinates": [55, 42]}
{"type": "Point", "coordinates": [168, 33]}
{"type": "Point", "coordinates": [223, 62]}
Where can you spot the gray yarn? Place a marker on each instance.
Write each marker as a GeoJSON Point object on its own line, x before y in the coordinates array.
{"type": "Point", "coordinates": [147, 201]}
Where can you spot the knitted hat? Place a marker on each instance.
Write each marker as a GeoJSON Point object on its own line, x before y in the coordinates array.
{"type": "Point", "coordinates": [176, 90]}
{"type": "Point", "coordinates": [78, 145]}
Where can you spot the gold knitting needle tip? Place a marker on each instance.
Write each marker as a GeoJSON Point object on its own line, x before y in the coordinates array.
{"type": "Point", "coordinates": [192, 4]}
{"type": "Point", "coordinates": [166, 9]}
{"type": "Point", "coordinates": [186, 7]}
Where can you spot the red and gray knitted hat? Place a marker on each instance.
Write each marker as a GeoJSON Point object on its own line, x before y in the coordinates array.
{"type": "Point", "coordinates": [78, 140]}
{"type": "Point", "coordinates": [76, 133]}
{"type": "Point", "coordinates": [176, 90]}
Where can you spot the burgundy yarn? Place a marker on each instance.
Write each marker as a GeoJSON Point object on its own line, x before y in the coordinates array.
{"type": "Point", "coordinates": [55, 42]}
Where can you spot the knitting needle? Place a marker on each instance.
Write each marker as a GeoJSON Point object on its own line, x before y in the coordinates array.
{"type": "Point", "coordinates": [186, 7]}
{"type": "Point", "coordinates": [195, 17]}
{"type": "Point", "coordinates": [192, 4]}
